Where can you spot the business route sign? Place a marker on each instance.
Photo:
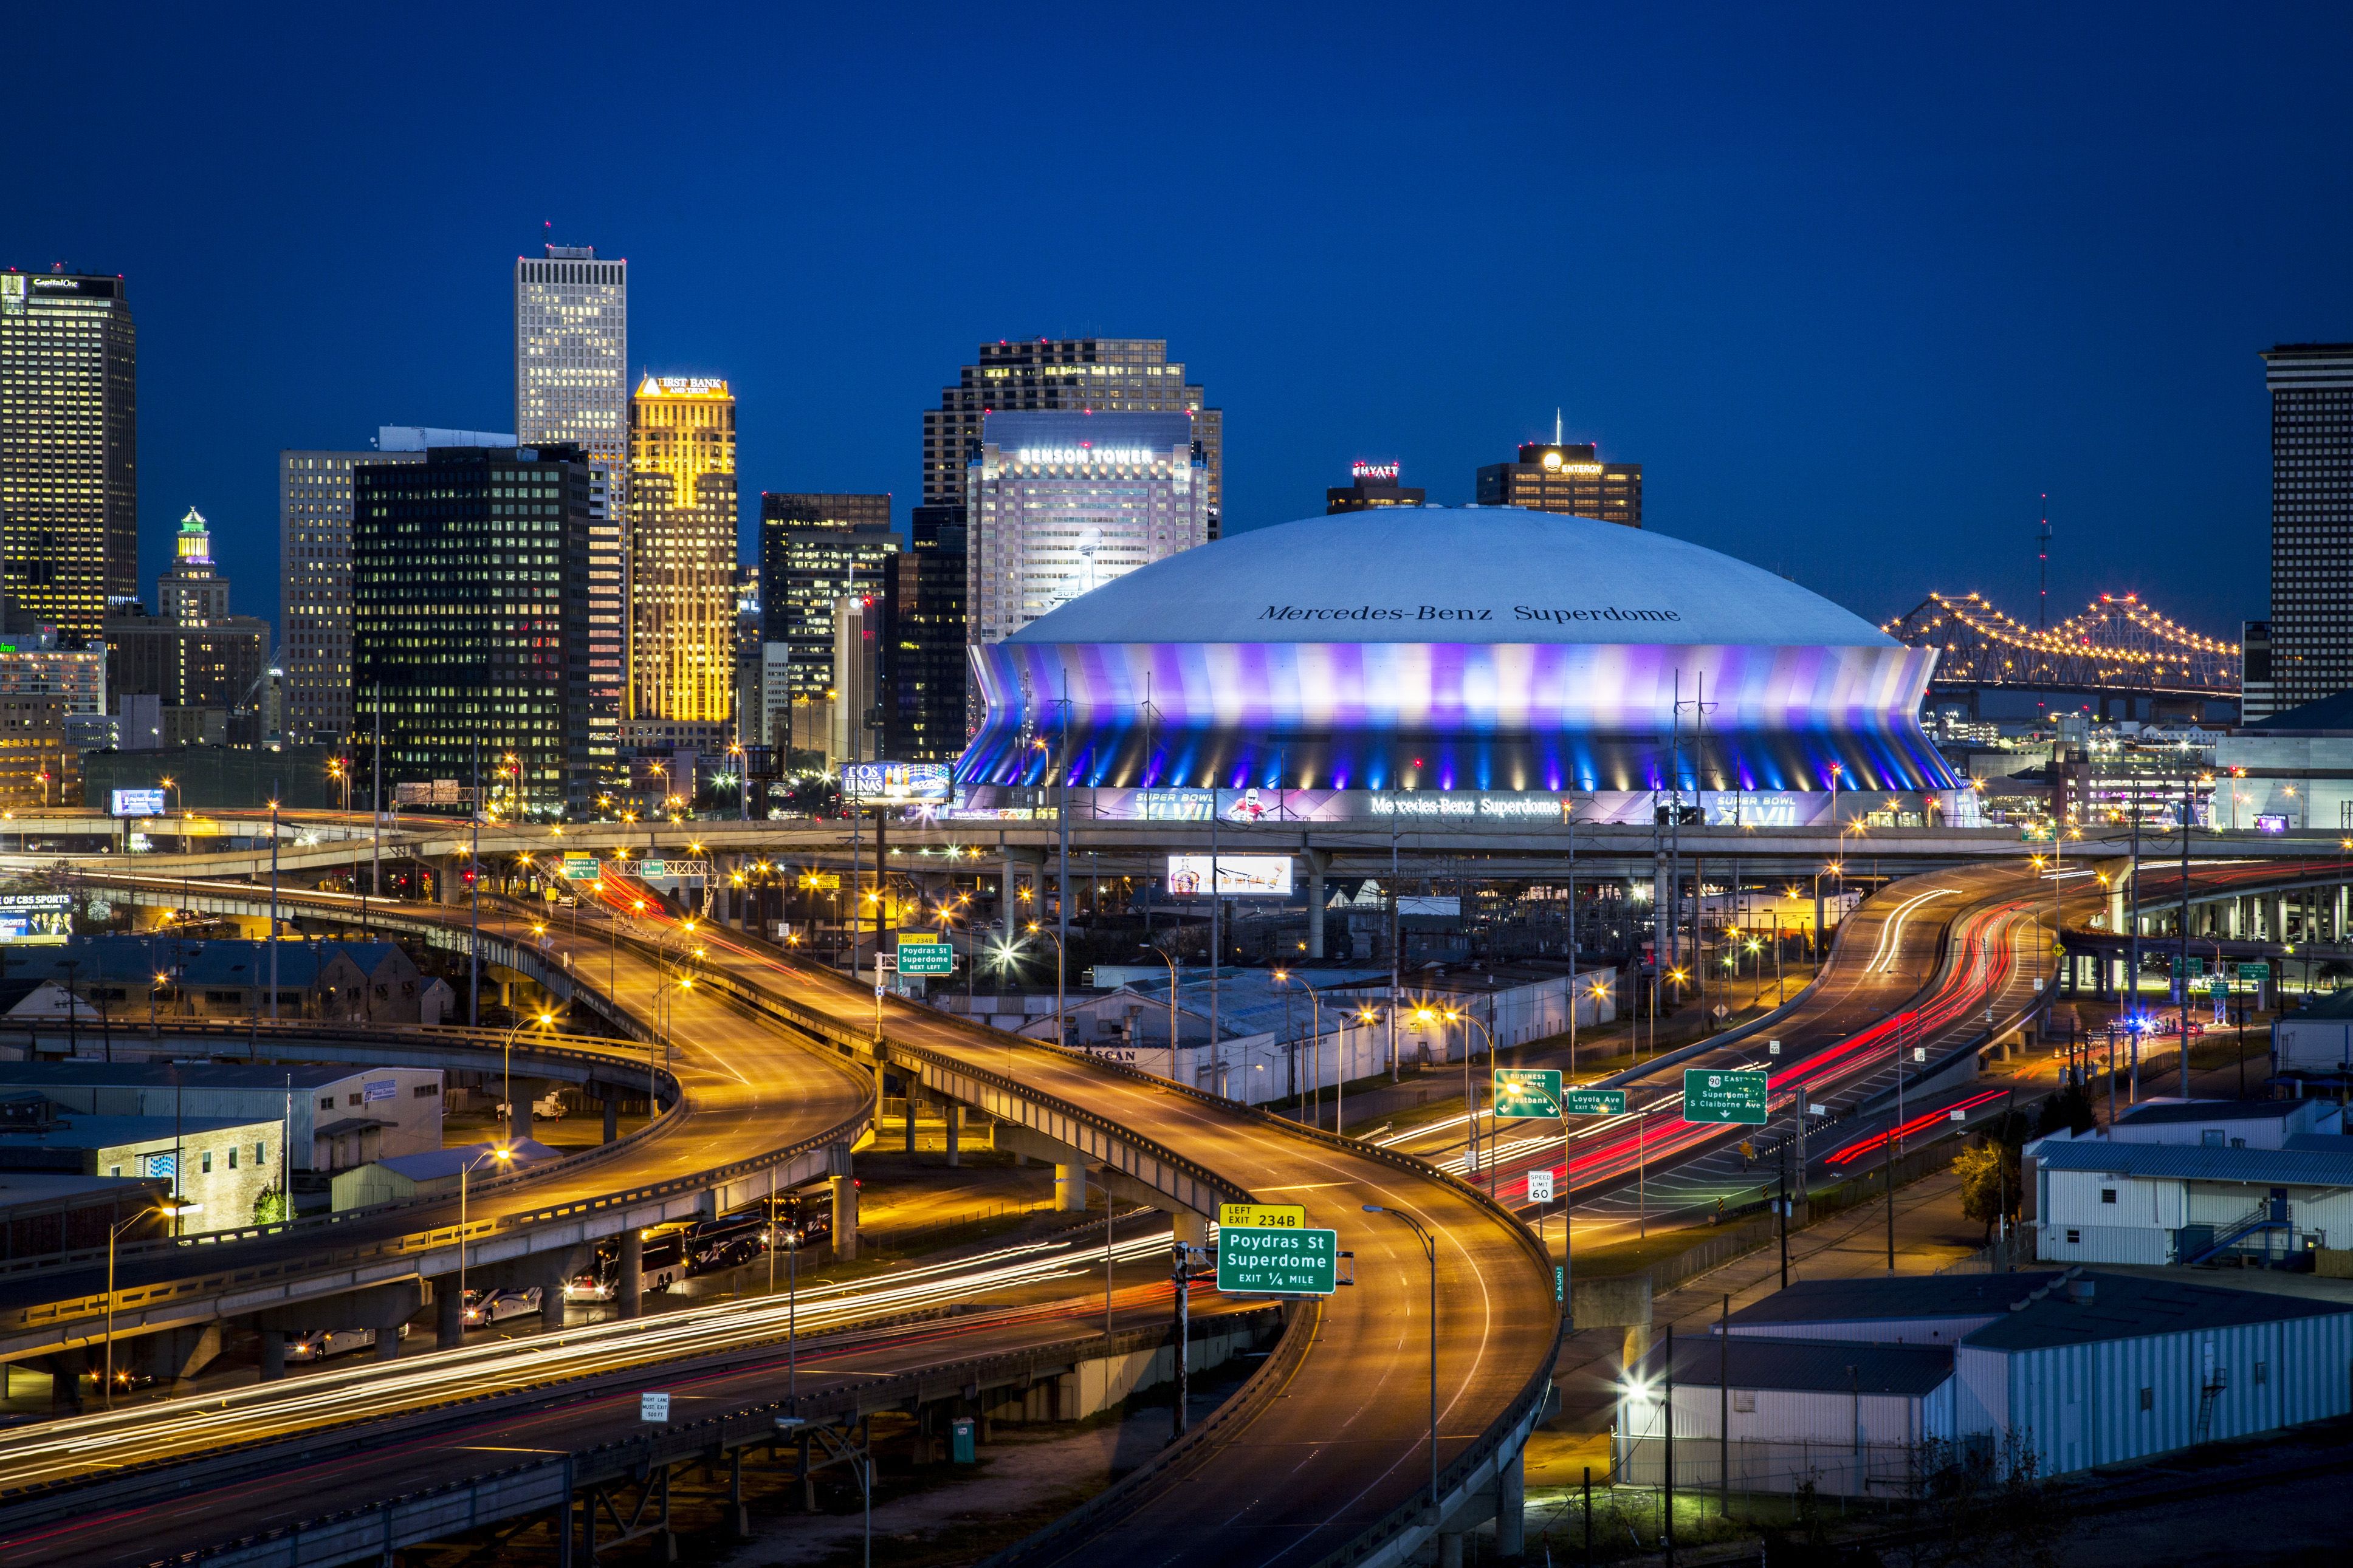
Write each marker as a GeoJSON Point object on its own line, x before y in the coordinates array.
{"type": "Point", "coordinates": [1527, 1091]}
{"type": "Point", "coordinates": [1264, 1260]}
{"type": "Point", "coordinates": [1714, 1095]}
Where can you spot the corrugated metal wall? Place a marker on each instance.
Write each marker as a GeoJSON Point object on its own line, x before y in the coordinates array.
{"type": "Point", "coordinates": [2079, 1405]}
{"type": "Point", "coordinates": [2057, 1242]}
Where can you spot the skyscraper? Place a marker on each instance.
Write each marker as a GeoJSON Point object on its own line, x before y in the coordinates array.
{"type": "Point", "coordinates": [68, 449]}
{"type": "Point", "coordinates": [923, 660]}
{"type": "Point", "coordinates": [314, 588]}
{"type": "Point", "coordinates": [1571, 479]}
{"type": "Point", "coordinates": [1110, 374]}
{"type": "Point", "coordinates": [1064, 502]}
{"type": "Point", "coordinates": [572, 354]}
{"type": "Point", "coordinates": [2312, 525]}
{"type": "Point", "coordinates": [485, 613]}
{"type": "Point", "coordinates": [815, 547]}
{"type": "Point", "coordinates": [193, 653]}
{"type": "Point", "coordinates": [682, 549]}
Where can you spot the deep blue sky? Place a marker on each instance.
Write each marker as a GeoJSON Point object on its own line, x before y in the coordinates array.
{"type": "Point", "coordinates": [1856, 285]}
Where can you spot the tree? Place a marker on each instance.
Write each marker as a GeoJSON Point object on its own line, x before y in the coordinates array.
{"type": "Point", "coordinates": [1989, 1172]}
{"type": "Point", "coordinates": [269, 1206]}
{"type": "Point", "coordinates": [2069, 1109]}
{"type": "Point", "coordinates": [1983, 1506]}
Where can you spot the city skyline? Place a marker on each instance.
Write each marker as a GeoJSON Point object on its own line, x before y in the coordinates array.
{"type": "Point", "coordinates": [1858, 359]}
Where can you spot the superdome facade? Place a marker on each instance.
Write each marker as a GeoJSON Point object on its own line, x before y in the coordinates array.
{"type": "Point", "coordinates": [1441, 647]}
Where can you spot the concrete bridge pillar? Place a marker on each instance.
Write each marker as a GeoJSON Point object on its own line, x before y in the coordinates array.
{"type": "Point", "coordinates": [1190, 1227]}
{"type": "Point", "coordinates": [273, 1355]}
{"type": "Point", "coordinates": [1318, 862]}
{"type": "Point", "coordinates": [612, 1103]}
{"type": "Point", "coordinates": [67, 1369]}
{"type": "Point", "coordinates": [449, 1314]}
{"type": "Point", "coordinates": [1512, 1508]}
{"type": "Point", "coordinates": [447, 873]}
{"type": "Point", "coordinates": [1450, 1548]}
{"type": "Point", "coordinates": [956, 1127]}
{"type": "Point", "coordinates": [629, 1282]}
{"type": "Point", "coordinates": [525, 1090]}
{"type": "Point", "coordinates": [1071, 1188]}
{"type": "Point", "coordinates": [845, 1206]}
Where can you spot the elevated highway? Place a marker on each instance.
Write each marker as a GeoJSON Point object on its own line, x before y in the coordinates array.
{"type": "Point", "coordinates": [752, 1103]}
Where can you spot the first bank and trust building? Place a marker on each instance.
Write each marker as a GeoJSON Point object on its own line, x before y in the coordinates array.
{"type": "Point", "coordinates": [1437, 648]}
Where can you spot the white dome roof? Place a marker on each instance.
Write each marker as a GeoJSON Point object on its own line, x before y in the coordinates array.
{"type": "Point", "coordinates": [1452, 574]}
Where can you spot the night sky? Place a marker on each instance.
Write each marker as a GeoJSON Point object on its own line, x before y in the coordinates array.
{"type": "Point", "coordinates": [1857, 287]}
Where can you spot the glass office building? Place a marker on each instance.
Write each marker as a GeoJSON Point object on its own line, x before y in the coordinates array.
{"type": "Point", "coordinates": [479, 626]}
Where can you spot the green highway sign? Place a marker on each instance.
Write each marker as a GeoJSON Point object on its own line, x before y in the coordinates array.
{"type": "Point", "coordinates": [646, 868]}
{"type": "Point", "coordinates": [1710, 1095]}
{"type": "Point", "coordinates": [2256, 971]}
{"type": "Point", "coordinates": [926, 956]}
{"type": "Point", "coordinates": [1527, 1091]}
{"type": "Point", "coordinates": [2197, 965]}
{"type": "Point", "coordinates": [580, 867]}
{"type": "Point", "coordinates": [1594, 1102]}
{"type": "Point", "coordinates": [1254, 1261]}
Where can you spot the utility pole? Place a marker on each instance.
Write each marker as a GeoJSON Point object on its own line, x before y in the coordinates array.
{"type": "Point", "coordinates": [375, 813]}
{"type": "Point", "coordinates": [474, 879]}
{"type": "Point", "coordinates": [273, 900]}
{"type": "Point", "coordinates": [2189, 808]}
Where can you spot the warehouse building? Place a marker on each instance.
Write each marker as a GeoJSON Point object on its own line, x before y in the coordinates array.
{"type": "Point", "coordinates": [336, 1116]}
{"type": "Point", "coordinates": [2098, 1200]}
{"type": "Point", "coordinates": [1866, 1386]}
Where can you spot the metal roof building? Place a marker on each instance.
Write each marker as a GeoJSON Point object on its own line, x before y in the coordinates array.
{"type": "Point", "coordinates": [2098, 1201]}
{"type": "Point", "coordinates": [2078, 1369]}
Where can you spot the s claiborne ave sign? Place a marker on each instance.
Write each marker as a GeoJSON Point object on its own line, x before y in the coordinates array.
{"type": "Point", "coordinates": [1522, 613]}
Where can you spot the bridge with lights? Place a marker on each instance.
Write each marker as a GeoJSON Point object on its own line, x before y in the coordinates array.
{"type": "Point", "coordinates": [2116, 648]}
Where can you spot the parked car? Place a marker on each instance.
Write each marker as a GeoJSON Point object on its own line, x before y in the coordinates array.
{"type": "Point", "coordinates": [550, 1109]}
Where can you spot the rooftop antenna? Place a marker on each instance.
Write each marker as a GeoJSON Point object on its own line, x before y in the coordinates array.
{"type": "Point", "coordinates": [2042, 566]}
{"type": "Point", "coordinates": [1556, 427]}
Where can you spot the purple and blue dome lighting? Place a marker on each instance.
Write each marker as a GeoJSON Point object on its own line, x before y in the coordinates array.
{"type": "Point", "coordinates": [1440, 648]}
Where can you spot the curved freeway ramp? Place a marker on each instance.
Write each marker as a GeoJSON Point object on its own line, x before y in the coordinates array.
{"type": "Point", "coordinates": [1328, 1456]}
{"type": "Point", "coordinates": [754, 1096]}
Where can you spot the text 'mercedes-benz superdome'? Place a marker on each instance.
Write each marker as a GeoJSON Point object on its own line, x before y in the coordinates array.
{"type": "Point", "coordinates": [1445, 648]}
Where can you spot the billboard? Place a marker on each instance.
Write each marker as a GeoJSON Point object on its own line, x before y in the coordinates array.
{"type": "Point", "coordinates": [43, 919]}
{"type": "Point", "coordinates": [1239, 876]}
{"type": "Point", "coordinates": [137, 803]}
{"type": "Point", "coordinates": [898, 781]}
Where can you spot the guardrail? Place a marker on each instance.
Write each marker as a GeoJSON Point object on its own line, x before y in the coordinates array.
{"type": "Point", "coordinates": [71, 1309]}
{"type": "Point", "coordinates": [430, 1514]}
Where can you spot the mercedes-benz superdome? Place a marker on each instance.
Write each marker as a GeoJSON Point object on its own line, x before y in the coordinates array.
{"type": "Point", "coordinates": [1446, 649]}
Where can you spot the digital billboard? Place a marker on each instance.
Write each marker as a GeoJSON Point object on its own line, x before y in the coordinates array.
{"type": "Point", "coordinates": [1239, 876]}
{"type": "Point", "coordinates": [898, 781]}
{"type": "Point", "coordinates": [44, 919]}
{"type": "Point", "coordinates": [137, 802]}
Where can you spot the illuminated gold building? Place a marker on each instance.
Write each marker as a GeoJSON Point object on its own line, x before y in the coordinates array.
{"type": "Point", "coordinates": [681, 552]}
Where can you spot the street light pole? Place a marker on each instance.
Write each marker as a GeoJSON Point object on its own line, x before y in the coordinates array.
{"type": "Point", "coordinates": [1061, 1028]}
{"type": "Point", "coordinates": [1429, 1254]}
{"type": "Point", "coordinates": [1170, 960]}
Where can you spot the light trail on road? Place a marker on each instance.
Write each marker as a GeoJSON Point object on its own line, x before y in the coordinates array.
{"type": "Point", "coordinates": [207, 1423]}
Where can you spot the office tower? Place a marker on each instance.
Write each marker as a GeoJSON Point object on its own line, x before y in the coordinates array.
{"type": "Point", "coordinates": [1106, 375]}
{"type": "Point", "coordinates": [751, 725]}
{"type": "Point", "coordinates": [2312, 523]}
{"type": "Point", "coordinates": [854, 725]}
{"type": "Point", "coordinates": [314, 549]}
{"type": "Point", "coordinates": [1064, 502]}
{"type": "Point", "coordinates": [1372, 485]}
{"type": "Point", "coordinates": [194, 654]}
{"type": "Point", "coordinates": [814, 549]}
{"type": "Point", "coordinates": [1571, 479]}
{"type": "Point", "coordinates": [2255, 700]}
{"type": "Point", "coordinates": [923, 660]}
{"type": "Point", "coordinates": [572, 354]}
{"type": "Point", "coordinates": [681, 547]}
{"type": "Point", "coordinates": [68, 449]}
{"type": "Point", "coordinates": [484, 612]}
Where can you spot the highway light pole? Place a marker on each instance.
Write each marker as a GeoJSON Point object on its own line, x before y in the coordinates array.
{"type": "Point", "coordinates": [1171, 962]}
{"type": "Point", "coordinates": [502, 1156]}
{"type": "Point", "coordinates": [174, 1206]}
{"type": "Point", "coordinates": [1061, 1029]}
{"type": "Point", "coordinates": [1429, 1255]}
